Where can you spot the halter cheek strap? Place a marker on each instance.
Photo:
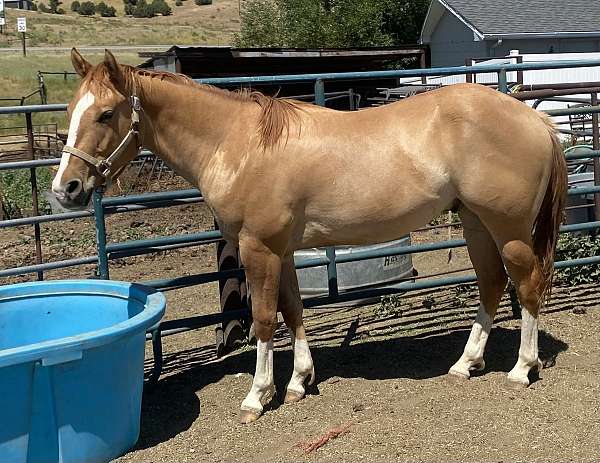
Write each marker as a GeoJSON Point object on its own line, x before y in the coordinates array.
{"type": "Point", "coordinates": [103, 166]}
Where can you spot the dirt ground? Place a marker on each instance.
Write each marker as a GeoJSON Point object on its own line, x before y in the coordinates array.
{"type": "Point", "coordinates": [380, 375]}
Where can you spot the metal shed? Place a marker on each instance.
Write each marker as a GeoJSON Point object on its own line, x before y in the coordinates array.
{"type": "Point", "coordinates": [206, 62]}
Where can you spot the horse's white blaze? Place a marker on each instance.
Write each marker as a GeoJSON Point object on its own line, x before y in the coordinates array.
{"type": "Point", "coordinates": [473, 353]}
{"type": "Point", "coordinates": [303, 366]}
{"type": "Point", "coordinates": [528, 351]}
{"type": "Point", "coordinates": [81, 107]}
{"type": "Point", "coordinates": [263, 383]}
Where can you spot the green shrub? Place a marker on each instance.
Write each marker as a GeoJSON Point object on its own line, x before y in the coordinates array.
{"type": "Point", "coordinates": [143, 10]}
{"type": "Point", "coordinates": [34, 7]}
{"type": "Point", "coordinates": [178, 3]}
{"type": "Point", "coordinates": [160, 7]}
{"type": "Point", "coordinates": [110, 12]}
{"type": "Point", "coordinates": [87, 9]}
{"type": "Point", "coordinates": [105, 10]}
{"type": "Point", "coordinates": [203, 2]}
{"type": "Point", "coordinates": [15, 191]}
{"type": "Point", "coordinates": [43, 8]}
{"type": "Point", "coordinates": [574, 247]}
{"type": "Point", "coordinates": [55, 7]}
{"type": "Point", "coordinates": [75, 6]}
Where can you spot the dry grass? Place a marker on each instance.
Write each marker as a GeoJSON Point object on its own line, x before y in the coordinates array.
{"type": "Point", "coordinates": [189, 24]}
{"type": "Point", "coordinates": [18, 77]}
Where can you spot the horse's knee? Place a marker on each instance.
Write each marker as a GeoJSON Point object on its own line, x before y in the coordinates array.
{"type": "Point", "coordinates": [265, 323]}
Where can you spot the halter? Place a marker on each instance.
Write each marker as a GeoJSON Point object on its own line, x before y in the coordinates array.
{"type": "Point", "coordinates": [101, 165]}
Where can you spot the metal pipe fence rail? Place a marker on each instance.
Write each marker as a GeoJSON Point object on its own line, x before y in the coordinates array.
{"type": "Point", "coordinates": [114, 205]}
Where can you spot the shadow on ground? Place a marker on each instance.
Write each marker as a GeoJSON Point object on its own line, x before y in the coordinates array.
{"type": "Point", "coordinates": [174, 401]}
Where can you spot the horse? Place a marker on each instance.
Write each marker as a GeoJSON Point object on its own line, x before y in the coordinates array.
{"type": "Point", "coordinates": [281, 175]}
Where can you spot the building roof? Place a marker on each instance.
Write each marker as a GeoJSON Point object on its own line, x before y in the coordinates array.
{"type": "Point", "coordinates": [207, 61]}
{"type": "Point", "coordinates": [494, 19]}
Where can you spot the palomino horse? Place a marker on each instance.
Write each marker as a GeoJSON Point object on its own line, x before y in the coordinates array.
{"type": "Point", "coordinates": [281, 175]}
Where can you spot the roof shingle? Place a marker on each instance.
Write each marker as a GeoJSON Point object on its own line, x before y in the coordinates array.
{"type": "Point", "coordinates": [501, 17]}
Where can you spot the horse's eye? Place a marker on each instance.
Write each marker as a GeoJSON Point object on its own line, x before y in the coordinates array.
{"type": "Point", "coordinates": [105, 117]}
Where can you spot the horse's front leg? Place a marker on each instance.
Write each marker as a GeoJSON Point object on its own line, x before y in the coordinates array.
{"type": "Point", "coordinates": [263, 270]}
{"type": "Point", "coordinates": [291, 307]}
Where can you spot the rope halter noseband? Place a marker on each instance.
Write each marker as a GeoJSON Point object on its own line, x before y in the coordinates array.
{"type": "Point", "coordinates": [103, 166]}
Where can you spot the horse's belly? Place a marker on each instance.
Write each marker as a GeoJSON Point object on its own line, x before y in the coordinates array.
{"type": "Point", "coordinates": [354, 224]}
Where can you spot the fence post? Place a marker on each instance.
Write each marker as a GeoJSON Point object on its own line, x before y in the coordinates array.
{"type": "Point", "coordinates": [100, 233]}
{"type": "Point", "coordinates": [502, 82]}
{"type": "Point", "coordinates": [34, 195]}
{"type": "Point", "coordinates": [596, 146]}
{"type": "Point", "coordinates": [512, 291]}
{"type": "Point", "coordinates": [469, 77]}
{"type": "Point", "coordinates": [332, 280]}
{"type": "Point", "coordinates": [42, 87]}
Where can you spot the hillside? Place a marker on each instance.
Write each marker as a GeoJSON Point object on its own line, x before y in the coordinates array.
{"type": "Point", "coordinates": [189, 24]}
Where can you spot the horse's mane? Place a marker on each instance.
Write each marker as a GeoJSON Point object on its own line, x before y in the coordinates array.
{"type": "Point", "coordinates": [276, 113]}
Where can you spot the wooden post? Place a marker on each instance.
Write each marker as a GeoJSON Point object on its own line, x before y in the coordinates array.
{"type": "Point", "coordinates": [469, 77]}
{"type": "Point", "coordinates": [23, 41]}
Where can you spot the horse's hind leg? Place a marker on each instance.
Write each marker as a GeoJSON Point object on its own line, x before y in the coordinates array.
{"type": "Point", "coordinates": [524, 270]}
{"type": "Point", "coordinates": [513, 239]}
{"type": "Point", "coordinates": [291, 308]}
{"type": "Point", "coordinates": [491, 279]}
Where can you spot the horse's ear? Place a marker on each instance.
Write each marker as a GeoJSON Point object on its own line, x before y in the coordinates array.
{"type": "Point", "coordinates": [81, 65]}
{"type": "Point", "coordinates": [114, 69]}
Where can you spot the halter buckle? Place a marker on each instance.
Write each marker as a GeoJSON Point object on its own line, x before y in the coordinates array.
{"type": "Point", "coordinates": [103, 168]}
{"type": "Point", "coordinates": [135, 103]}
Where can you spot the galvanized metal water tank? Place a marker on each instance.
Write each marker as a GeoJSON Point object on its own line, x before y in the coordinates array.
{"type": "Point", "coordinates": [581, 175]}
{"type": "Point", "coordinates": [380, 271]}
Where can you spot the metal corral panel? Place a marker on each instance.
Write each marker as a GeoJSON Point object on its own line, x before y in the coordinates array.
{"type": "Point", "coordinates": [352, 275]}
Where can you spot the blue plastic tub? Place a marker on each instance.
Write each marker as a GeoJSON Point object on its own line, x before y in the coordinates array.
{"type": "Point", "coordinates": [71, 369]}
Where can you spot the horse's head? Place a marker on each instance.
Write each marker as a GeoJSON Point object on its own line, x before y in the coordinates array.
{"type": "Point", "coordinates": [103, 131]}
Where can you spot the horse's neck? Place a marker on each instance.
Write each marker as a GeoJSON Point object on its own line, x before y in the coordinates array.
{"type": "Point", "coordinates": [186, 126]}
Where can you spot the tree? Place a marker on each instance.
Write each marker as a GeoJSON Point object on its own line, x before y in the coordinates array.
{"type": "Point", "coordinates": [87, 9]}
{"type": "Point", "coordinates": [330, 23]}
{"type": "Point", "coordinates": [75, 6]}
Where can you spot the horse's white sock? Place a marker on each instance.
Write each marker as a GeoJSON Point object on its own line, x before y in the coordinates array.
{"type": "Point", "coordinates": [528, 351]}
{"type": "Point", "coordinates": [263, 384]}
{"type": "Point", "coordinates": [472, 357]}
{"type": "Point", "coordinates": [303, 366]}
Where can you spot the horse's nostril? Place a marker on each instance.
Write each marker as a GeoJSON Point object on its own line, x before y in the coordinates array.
{"type": "Point", "coordinates": [72, 186]}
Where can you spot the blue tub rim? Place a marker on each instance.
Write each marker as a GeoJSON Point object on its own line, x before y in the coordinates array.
{"type": "Point", "coordinates": [71, 348]}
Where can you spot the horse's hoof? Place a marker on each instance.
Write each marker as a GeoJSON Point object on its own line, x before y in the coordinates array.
{"type": "Point", "coordinates": [516, 384]}
{"type": "Point", "coordinates": [249, 416]}
{"type": "Point", "coordinates": [292, 396]}
{"type": "Point", "coordinates": [457, 376]}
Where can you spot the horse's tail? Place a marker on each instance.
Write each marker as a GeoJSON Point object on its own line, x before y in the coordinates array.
{"type": "Point", "coordinates": [549, 218]}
